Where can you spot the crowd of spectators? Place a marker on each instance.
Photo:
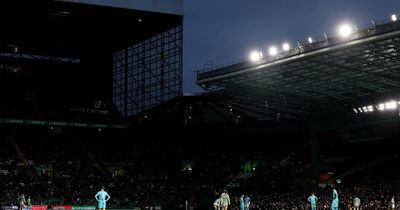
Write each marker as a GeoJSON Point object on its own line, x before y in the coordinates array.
{"type": "Point", "coordinates": [68, 167]}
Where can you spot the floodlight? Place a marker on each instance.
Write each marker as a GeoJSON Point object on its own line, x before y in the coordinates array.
{"type": "Point", "coordinates": [310, 40]}
{"type": "Point", "coordinates": [365, 109]}
{"type": "Point", "coordinates": [255, 56]}
{"type": "Point", "coordinates": [286, 46]}
{"type": "Point", "coordinates": [381, 107]}
{"type": "Point", "coordinates": [273, 51]}
{"type": "Point", "coordinates": [394, 17]}
{"type": "Point", "coordinates": [345, 30]}
{"type": "Point", "coordinates": [391, 105]}
{"type": "Point", "coordinates": [370, 108]}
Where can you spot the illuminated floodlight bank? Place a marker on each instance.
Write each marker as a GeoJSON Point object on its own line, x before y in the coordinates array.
{"type": "Point", "coordinates": [394, 18]}
{"type": "Point", "coordinates": [381, 107]}
{"type": "Point", "coordinates": [365, 109]}
{"type": "Point", "coordinates": [273, 51]}
{"type": "Point", "coordinates": [286, 46]}
{"type": "Point", "coordinates": [345, 30]}
{"type": "Point", "coordinates": [256, 56]}
{"type": "Point", "coordinates": [391, 105]}
{"type": "Point", "coordinates": [386, 106]}
{"type": "Point", "coordinates": [369, 108]}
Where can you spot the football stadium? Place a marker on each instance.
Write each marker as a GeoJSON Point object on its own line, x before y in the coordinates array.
{"type": "Point", "coordinates": [93, 115]}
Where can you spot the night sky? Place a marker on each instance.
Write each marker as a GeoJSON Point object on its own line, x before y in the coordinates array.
{"type": "Point", "coordinates": [223, 31]}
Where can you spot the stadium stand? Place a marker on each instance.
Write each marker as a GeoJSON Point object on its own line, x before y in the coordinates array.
{"type": "Point", "coordinates": [66, 166]}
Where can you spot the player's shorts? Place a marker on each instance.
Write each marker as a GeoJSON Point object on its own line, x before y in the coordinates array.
{"type": "Point", "coordinates": [101, 205]}
{"type": "Point", "coordinates": [335, 203]}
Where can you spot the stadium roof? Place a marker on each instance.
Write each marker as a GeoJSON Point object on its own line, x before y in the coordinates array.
{"type": "Point", "coordinates": [330, 75]}
{"type": "Point", "coordinates": [161, 6]}
{"type": "Point", "coordinates": [50, 27]}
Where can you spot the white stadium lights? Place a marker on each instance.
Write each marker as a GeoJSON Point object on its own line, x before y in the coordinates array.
{"type": "Point", "coordinates": [387, 106]}
{"type": "Point", "coordinates": [255, 56]}
{"type": "Point", "coordinates": [286, 46]}
{"type": "Point", "coordinates": [273, 51]}
{"type": "Point", "coordinates": [365, 109]}
{"type": "Point", "coordinates": [391, 105]}
{"type": "Point", "coordinates": [345, 30]}
{"type": "Point", "coordinates": [394, 18]}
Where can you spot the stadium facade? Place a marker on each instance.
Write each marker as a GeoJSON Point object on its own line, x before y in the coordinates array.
{"type": "Point", "coordinates": [122, 53]}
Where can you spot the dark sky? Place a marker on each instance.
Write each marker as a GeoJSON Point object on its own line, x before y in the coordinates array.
{"type": "Point", "coordinates": [223, 31]}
